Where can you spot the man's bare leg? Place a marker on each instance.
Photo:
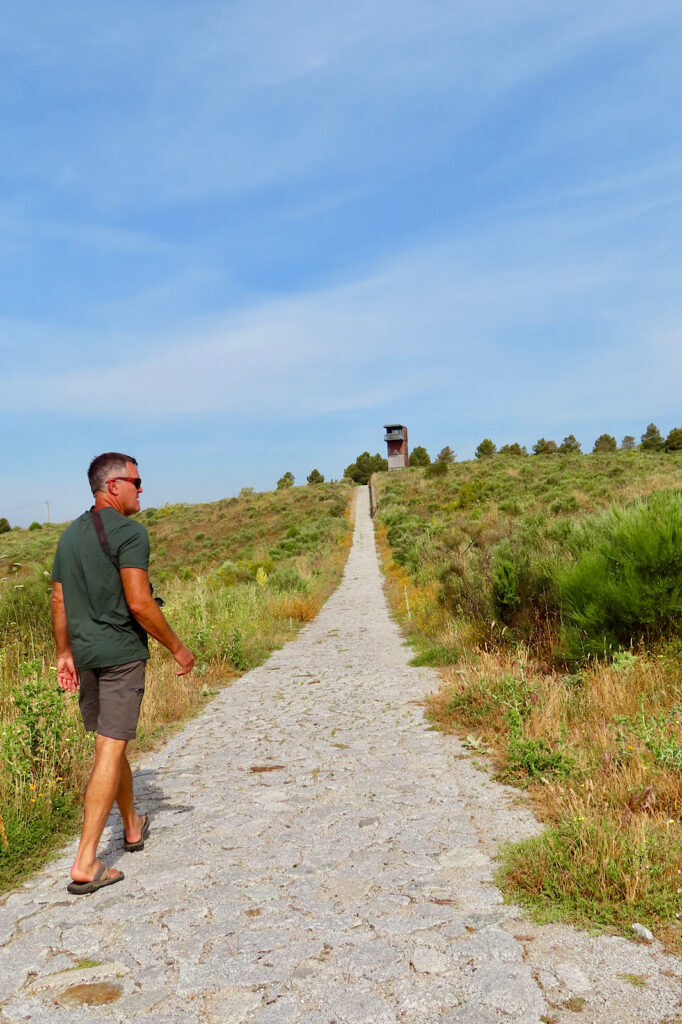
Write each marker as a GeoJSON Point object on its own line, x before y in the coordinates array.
{"type": "Point", "coordinates": [99, 798]}
{"type": "Point", "coordinates": [132, 825]}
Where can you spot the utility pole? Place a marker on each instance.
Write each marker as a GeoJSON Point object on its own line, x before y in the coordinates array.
{"type": "Point", "coordinates": [48, 510]}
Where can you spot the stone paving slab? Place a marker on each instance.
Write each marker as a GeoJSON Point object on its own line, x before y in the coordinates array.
{"type": "Point", "coordinates": [351, 883]}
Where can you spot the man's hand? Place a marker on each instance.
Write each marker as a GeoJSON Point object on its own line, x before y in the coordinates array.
{"type": "Point", "coordinates": [185, 660]}
{"type": "Point", "coordinates": [67, 677]}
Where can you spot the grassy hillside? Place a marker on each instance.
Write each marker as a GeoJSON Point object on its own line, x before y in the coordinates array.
{"type": "Point", "coordinates": [548, 589]}
{"type": "Point", "coordinates": [238, 576]}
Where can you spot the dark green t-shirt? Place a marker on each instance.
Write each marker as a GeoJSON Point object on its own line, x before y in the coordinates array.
{"type": "Point", "coordinates": [102, 629]}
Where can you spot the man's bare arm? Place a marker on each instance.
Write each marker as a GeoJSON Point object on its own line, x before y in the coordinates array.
{"type": "Point", "coordinates": [67, 677]}
{"type": "Point", "coordinates": [139, 599]}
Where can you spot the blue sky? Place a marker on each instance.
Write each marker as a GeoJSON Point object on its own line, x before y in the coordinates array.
{"type": "Point", "coordinates": [237, 238]}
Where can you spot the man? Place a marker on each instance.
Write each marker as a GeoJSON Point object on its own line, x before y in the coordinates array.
{"type": "Point", "coordinates": [102, 611]}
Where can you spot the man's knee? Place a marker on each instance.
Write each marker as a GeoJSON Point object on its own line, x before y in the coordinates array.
{"type": "Point", "coordinates": [109, 749]}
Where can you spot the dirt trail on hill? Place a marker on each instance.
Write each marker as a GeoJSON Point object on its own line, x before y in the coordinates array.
{"type": "Point", "coordinates": [317, 855]}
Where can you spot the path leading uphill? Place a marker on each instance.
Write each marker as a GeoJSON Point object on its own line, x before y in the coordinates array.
{"type": "Point", "coordinates": [317, 855]}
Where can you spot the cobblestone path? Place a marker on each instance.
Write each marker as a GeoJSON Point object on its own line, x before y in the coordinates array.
{"type": "Point", "coordinates": [317, 855]}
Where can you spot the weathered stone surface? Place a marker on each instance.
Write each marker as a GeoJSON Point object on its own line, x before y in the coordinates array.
{"type": "Point", "coordinates": [232, 1004]}
{"type": "Point", "coordinates": [430, 961]}
{"type": "Point", "coordinates": [463, 858]}
{"type": "Point", "coordinates": [573, 979]}
{"type": "Point", "coordinates": [504, 987]}
{"type": "Point", "coordinates": [352, 884]}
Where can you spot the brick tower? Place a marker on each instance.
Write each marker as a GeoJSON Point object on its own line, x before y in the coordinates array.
{"type": "Point", "coordinates": [396, 438]}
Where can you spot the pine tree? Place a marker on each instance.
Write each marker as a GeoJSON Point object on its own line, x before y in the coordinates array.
{"type": "Point", "coordinates": [419, 457]}
{"type": "Point", "coordinates": [285, 481]}
{"type": "Point", "coordinates": [544, 447]}
{"type": "Point", "coordinates": [673, 442]}
{"type": "Point", "coordinates": [628, 444]}
{"type": "Point", "coordinates": [446, 455]}
{"type": "Point", "coordinates": [486, 449]}
{"type": "Point", "coordinates": [651, 439]}
{"type": "Point", "coordinates": [569, 444]}
{"type": "Point", "coordinates": [513, 449]}
{"type": "Point", "coordinates": [605, 443]}
{"type": "Point", "coordinates": [315, 477]}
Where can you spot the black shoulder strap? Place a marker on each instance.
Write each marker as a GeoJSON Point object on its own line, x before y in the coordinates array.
{"type": "Point", "coordinates": [101, 534]}
{"type": "Point", "coordinates": [104, 544]}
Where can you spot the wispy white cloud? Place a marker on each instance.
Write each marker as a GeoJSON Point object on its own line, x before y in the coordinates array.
{"type": "Point", "coordinates": [440, 324]}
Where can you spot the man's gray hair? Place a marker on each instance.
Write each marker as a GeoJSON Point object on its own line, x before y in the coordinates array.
{"type": "Point", "coordinates": [105, 466]}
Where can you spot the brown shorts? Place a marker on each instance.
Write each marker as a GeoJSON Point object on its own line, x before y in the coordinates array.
{"type": "Point", "coordinates": [110, 699]}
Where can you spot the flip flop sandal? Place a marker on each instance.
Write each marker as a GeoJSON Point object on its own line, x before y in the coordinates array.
{"type": "Point", "coordinates": [102, 877]}
{"type": "Point", "coordinates": [139, 845]}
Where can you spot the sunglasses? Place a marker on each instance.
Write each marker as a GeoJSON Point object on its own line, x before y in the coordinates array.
{"type": "Point", "coordinates": [135, 480]}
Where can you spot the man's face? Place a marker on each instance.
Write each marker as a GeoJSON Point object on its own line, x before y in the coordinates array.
{"type": "Point", "coordinates": [128, 494]}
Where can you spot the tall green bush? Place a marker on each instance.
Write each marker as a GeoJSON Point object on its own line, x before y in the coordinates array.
{"type": "Point", "coordinates": [626, 581]}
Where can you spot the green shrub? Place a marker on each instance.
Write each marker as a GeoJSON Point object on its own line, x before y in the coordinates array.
{"type": "Point", "coordinates": [464, 589]}
{"type": "Point", "coordinates": [437, 469]}
{"type": "Point", "coordinates": [287, 579]}
{"type": "Point", "coordinates": [504, 578]}
{"type": "Point", "coordinates": [33, 740]}
{"type": "Point", "coordinates": [531, 757]}
{"type": "Point", "coordinates": [626, 581]}
{"type": "Point", "coordinates": [482, 699]}
{"type": "Point", "coordinates": [4, 525]}
{"type": "Point", "coordinates": [565, 504]}
{"type": "Point", "coordinates": [233, 648]}
{"type": "Point", "coordinates": [469, 493]}
{"type": "Point", "coordinates": [36, 526]}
